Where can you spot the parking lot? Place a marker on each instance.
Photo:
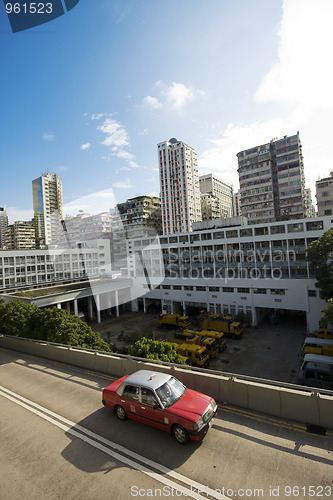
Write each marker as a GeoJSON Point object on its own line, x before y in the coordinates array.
{"type": "Point", "coordinates": [269, 351]}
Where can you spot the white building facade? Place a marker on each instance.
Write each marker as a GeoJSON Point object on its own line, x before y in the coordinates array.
{"type": "Point", "coordinates": [252, 269]}
{"type": "Point", "coordinates": [180, 192]}
{"type": "Point", "coordinates": [22, 268]}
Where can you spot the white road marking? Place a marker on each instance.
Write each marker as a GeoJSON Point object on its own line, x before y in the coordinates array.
{"type": "Point", "coordinates": [92, 438]}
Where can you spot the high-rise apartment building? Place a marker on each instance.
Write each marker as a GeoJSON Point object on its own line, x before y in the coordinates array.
{"type": "Point", "coordinates": [3, 225]}
{"type": "Point", "coordinates": [47, 203]}
{"type": "Point", "coordinates": [217, 198]}
{"type": "Point", "coordinates": [180, 191]}
{"type": "Point", "coordinates": [324, 195]}
{"type": "Point", "coordinates": [20, 235]}
{"type": "Point", "coordinates": [272, 183]}
{"type": "Point", "coordinates": [140, 215]}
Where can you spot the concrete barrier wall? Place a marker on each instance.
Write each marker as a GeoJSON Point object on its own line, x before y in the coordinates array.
{"type": "Point", "coordinates": [288, 401]}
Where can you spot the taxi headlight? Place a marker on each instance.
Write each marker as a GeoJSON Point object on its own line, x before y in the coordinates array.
{"type": "Point", "coordinates": [198, 424]}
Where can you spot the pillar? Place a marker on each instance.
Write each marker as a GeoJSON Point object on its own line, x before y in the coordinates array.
{"type": "Point", "coordinates": [90, 308]}
{"type": "Point", "coordinates": [117, 303]}
{"type": "Point", "coordinates": [98, 305]}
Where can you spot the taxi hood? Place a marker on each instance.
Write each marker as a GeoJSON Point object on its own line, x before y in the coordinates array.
{"type": "Point", "coordinates": [192, 405]}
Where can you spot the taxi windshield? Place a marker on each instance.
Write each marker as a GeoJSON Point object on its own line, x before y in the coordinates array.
{"type": "Point", "coordinates": [170, 392]}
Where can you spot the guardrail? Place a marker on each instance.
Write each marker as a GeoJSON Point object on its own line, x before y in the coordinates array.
{"type": "Point", "coordinates": [308, 405]}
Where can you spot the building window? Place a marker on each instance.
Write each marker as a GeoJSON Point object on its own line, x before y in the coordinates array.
{"type": "Point", "coordinates": [232, 234]}
{"type": "Point", "coordinates": [260, 231]}
{"type": "Point", "coordinates": [315, 225]}
{"type": "Point", "coordinates": [245, 232]}
{"type": "Point", "coordinates": [312, 293]}
{"type": "Point", "coordinates": [277, 291]}
{"type": "Point", "coordinates": [218, 235]}
{"type": "Point", "coordinates": [295, 228]}
{"type": "Point", "coordinates": [278, 229]}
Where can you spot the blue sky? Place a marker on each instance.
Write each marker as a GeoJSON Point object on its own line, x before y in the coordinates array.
{"type": "Point", "coordinates": [90, 94]}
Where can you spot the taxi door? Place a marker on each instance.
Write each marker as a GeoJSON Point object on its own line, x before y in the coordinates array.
{"type": "Point", "coordinates": [151, 414]}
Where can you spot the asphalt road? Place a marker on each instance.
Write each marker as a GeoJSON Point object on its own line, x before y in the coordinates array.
{"type": "Point", "coordinates": [57, 441]}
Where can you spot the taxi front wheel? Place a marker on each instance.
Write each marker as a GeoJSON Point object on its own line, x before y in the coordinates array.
{"type": "Point", "coordinates": [180, 434]}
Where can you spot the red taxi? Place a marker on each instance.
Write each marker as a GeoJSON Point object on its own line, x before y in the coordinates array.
{"type": "Point", "coordinates": [162, 401]}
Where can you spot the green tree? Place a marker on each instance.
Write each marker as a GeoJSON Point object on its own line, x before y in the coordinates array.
{"type": "Point", "coordinates": [15, 317]}
{"type": "Point", "coordinates": [320, 256]}
{"type": "Point", "coordinates": [49, 324]}
{"type": "Point", "coordinates": [327, 319]}
{"type": "Point", "coordinates": [154, 349]}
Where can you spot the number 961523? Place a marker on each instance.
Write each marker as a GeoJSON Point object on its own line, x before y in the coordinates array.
{"type": "Point", "coordinates": [29, 8]}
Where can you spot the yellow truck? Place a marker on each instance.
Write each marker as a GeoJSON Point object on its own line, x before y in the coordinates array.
{"type": "Point", "coordinates": [218, 336]}
{"type": "Point", "coordinates": [228, 327]}
{"type": "Point", "coordinates": [173, 321]}
{"type": "Point", "coordinates": [191, 338]}
{"type": "Point", "coordinates": [197, 354]}
{"type": "Point", "coordinates": [325, 333]}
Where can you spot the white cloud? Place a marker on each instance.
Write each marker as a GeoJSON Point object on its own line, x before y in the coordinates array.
{"type": "Point", "coordinates": [174, 96]}
{"type": "Point", "coordinates": [129, 157]}
{"type": "Point", "coordinates": [152, 102]}
{"type": "Point", "coordinates": [301, 79]}
{"type": "Point", "coordinates": [98, 116]}
{"type": "Point", "coordinates": [48, 137]}
{"type": "Point", "coordinates": [117, 140]}
{"type": "Point", "coordinates": [178, 95]}
{"type": "Point", "coordinates": [303, 74]}
{"type": "Point", "coordinates": [115, 132]}
{"type": "Point", "coordinates": [87, 145]}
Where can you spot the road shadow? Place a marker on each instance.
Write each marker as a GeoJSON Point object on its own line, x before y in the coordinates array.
{"type": "Point", "coordinates": [101, 442]}
{"type": "Point", "coordinates": [279, 431]}
{"type": "Point", "coordinates": [61, 371]}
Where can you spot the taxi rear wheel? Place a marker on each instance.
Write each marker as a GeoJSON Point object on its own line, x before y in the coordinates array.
{"type": "Point", "coordinates": [180, 434]}
{"type": "Point", "coordinates": [120, 412]}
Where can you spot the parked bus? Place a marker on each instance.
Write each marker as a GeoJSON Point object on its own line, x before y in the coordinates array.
{"type": "Point", "coordinates": [317, 371]}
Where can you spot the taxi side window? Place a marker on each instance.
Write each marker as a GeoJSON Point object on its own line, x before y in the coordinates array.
{"type": "Point", "coordinates": [131, 392]}
{"type": "Point", "coordinates": [148, 397]}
